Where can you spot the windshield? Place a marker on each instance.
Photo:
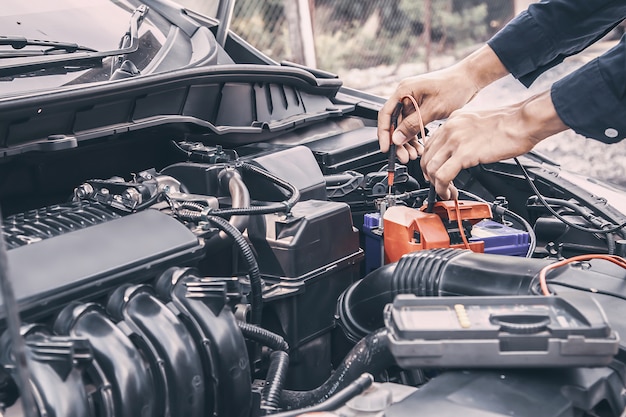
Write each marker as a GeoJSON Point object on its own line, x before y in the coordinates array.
{"type": "Point", "coordinates": [98, 25]}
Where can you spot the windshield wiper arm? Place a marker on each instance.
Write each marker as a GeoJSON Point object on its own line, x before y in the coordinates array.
{"type": "Point", "coordinates": [19, 43]}
{"type": "Point", "coordinates": [22, 64]}
{"type": "Point", "coordinates": [128, 43]}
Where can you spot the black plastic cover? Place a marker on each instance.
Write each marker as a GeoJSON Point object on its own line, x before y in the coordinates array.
{"type": "Point", "coordinates": [295, 165]}
{"type": "Point", "coordinates": [353, 150]}
{"type": "Point", "coordinates": [514, 331]}
{"type": "Point", "coordinates": [307, 259]}
{"type": "Point", "coordinates": [89, 262]}
{"type": "Point", "coordinates": [523, 393]}
{"type": "Point", "coordinates": [314, 235]}
{"type": "Point", "coordinates": [232, 101]}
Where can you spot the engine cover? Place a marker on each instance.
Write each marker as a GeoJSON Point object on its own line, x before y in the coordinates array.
{"type": "Point", "coordinates": [86, 263]}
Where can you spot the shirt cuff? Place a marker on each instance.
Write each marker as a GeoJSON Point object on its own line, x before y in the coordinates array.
{"type": "Point", "coordinates": [585, 102]}
{"type": "Point", "coordinates": [524, 49]}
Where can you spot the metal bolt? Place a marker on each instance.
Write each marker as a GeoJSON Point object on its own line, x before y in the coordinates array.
{"type": "Point", "coordinates": [132, 195]}
{"type": "Point", "coordinates": [84, 191]}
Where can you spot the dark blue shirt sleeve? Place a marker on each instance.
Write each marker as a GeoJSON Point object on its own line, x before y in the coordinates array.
{"type": "Point", "coordinates": [591, 100]}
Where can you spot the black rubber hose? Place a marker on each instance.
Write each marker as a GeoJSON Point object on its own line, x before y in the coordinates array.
{"type": "Point", "coordinates": [610, 228]}
{"type": "Point", "coordinates": [283, 206]}
{"type": "Point", "coordinates": [189, 214]}
{"type": "Point", "coordinates": [587, 215]}
{"type": "Point", "coordinates": [610, 244]}
{"type": "Point", "coordinates": [274, 382]}
{"type": "Point", "coordinates": [192, 205]}
{"type": "Point", "coordinates": [370, 355]}
{"type": "Point", "coordinates": [262, 336]}
{"type": "Point", "coordinates": [256, 286]}
{"type": "Point", "coordinates": [359, 385]}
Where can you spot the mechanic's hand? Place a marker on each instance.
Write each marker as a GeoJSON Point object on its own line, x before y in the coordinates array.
{"type": "Point", "coordinates": [438, 94]}
{"type": "Point", "coordinates": [472, 137]}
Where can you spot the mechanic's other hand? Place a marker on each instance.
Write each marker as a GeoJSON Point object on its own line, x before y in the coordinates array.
{"type": "Point", "coordinates": [437, 93]}
{"type": "Point", "coordinates": [472, 137]}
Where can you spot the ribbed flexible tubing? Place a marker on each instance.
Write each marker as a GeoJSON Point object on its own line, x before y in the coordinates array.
{"type": "Point", "coordinates": [256, 288]}
{"type": "Point", "coordinates": [263, 336]}
{"type": "Point", "coordinates": [434, 272]}
{"type": "Point", "coordinates": [275, 381]}
{"type": "Point", "coordinates": [370, 355]}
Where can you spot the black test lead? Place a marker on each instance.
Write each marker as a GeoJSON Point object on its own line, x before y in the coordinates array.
{"type": "Point", "coordinates": [391, 161]}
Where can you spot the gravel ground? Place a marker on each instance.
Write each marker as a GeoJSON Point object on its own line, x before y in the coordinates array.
{"type": "Point", "coordinates": [574, 152]}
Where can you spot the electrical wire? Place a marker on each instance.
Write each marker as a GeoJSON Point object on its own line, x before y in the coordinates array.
{"type": "Point", "coordinates": [543, 281]}
{"type": "Point", "coordinates": [591, 290]}
{"type": "Point", "coordinates": [557, 215]}
{"type": "Point", "coordinates": [457, 210]}
{"type": "Point", "coordinates": [432, 196]}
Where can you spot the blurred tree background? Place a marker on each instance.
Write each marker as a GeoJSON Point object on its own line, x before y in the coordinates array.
{"type": "Point", "coordinates": [357, 34]}
{"type": "Point", "coordinates": [360, 34]}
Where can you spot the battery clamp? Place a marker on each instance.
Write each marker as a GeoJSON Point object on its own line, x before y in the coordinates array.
{"type": "Point", "coordinates": [408, 229]}
{"type": "Point", "coordinates": [495, 332]}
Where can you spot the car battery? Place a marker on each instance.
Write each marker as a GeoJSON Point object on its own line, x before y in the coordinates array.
{"type": "Point", "coordinates": [373, 241]}
{"type": "Point", "coordinates": [500, 239]}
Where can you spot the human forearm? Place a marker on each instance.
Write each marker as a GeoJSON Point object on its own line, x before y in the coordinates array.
{"type": "Point", "coordinates": [438, 93]}
{"type": "Point", "coordinates": [472, 137]}
{"type": "Point", "coordinates": [539, 118]}
{"type": "Point", "coordinates": [482, 67]}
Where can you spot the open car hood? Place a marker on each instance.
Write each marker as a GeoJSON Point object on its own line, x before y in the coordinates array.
{"type": "Point", "coordinates": [214, 234]}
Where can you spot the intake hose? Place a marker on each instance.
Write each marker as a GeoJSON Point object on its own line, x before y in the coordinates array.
{"type": "Point", "coordinates": [353, 389]}
{"type": "Point", "coordinates": [435, 272]}
{"type": "Point", "coordinates": [370, 355]}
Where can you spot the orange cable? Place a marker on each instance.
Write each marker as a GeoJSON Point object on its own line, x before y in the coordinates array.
{"type": "Point", "coordinates": [456, 201]}
{"type": "Point", "coordinates": [542, 274]}
{"type": "Point", "coordinates": [457, 209]}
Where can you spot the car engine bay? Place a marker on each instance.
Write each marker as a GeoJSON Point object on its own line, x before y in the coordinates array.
{"type": "Point", "coordinates": [222, 239]}
{"type": "Point", "coordinates": [260, 280]}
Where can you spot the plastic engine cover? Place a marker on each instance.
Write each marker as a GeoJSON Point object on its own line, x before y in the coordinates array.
{"type": "Point", "coordinates": [88, 262]}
